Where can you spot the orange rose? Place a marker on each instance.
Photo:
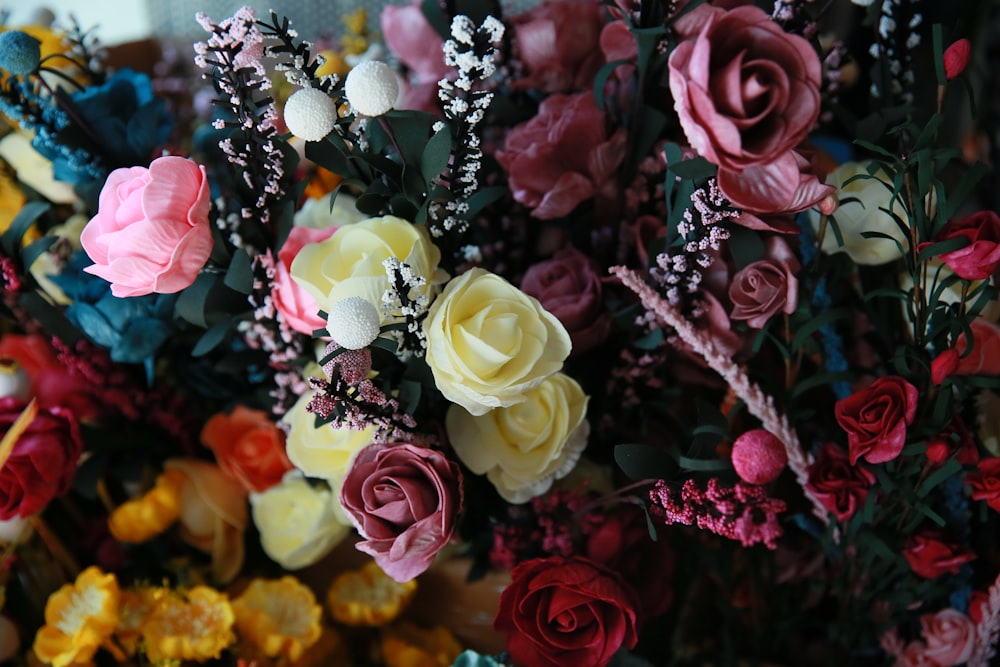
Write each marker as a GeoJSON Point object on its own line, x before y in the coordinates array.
{"type": "Point", "coordinates": [248, 446]}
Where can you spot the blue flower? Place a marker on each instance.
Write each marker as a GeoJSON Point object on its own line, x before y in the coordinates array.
{"type": "Point", "coordinates": [20, 53]}
{"type": "Point", "coordinates": [472, 659]}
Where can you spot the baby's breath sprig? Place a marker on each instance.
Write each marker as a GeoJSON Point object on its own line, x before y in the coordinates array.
{"type": "Point", "coordinates": [397, 301]}
{"type": "Point", "coordinates": [297, 62]}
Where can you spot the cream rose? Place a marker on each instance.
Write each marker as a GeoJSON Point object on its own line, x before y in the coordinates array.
{"type": "Point", "coordinates": [349, 263]}
{"type": "Point", "coordinates": [937, 273]}
{"type": "Point", "coordinates": [297, 521]}
{"type": "Point", "coordinates": [523, 448]}
{"type": "Point", "coordinates": [325, 452]}
{"type": "Point", "coordinates": [317, 214]}
{"type": "Point", "coordinates": [488, 343]}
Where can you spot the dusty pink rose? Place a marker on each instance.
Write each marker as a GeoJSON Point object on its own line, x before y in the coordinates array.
{"type": "Point", "coordinates": [949, 636]}
{"type": "Point", "coordinates": [561, 157]}
{"type": "Point", "coordinates": [763, 288]}
{"type": "Point", "coordinates": [747, 94]}
{"type": "Point", "coordinates": [568, 287]}
{"type": "Point", "coordinates": [914, 655]}
{"type": "Point", "coordinates": [296, 305]}
{"type": "Point", "coordinates": [405, 502]}
{"type": "Point", "coordinates": [151, 231]}
{"type": "Point", "coordinates": [557, 42]}
{"type": "Point", "coordinates": [981, 257]}
{"type": "Point", "coordinates": [418, 47]}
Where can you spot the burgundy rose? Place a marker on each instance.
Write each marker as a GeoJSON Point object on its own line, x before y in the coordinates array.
{"type": "Point", "coordinates": [568, 287]}
{"type": "Point", "coordinates": [621, 543]}
{"type": "Point", "coordinates": [763, 288]}
{"type": "Point", "coordinates": [557, 42]}
{"type": "Point", "coordinates": [561, 157]}
{"type": "Point", "coordinates": [43, 460]}
{"type": "Point", "coordinates": [405, 502]}
{"type": "Point", "coordinates": [747, 94]}
{"type": "Point", "coordinates": [932, 552]}
{"type": "Point", "coordinates": [985, 482]}
{"type": "Point", "coordinates": [875, 418]}
{"type": "Point", "coordinates": [565, 611]}
{"type": "Point", "coordinates": [981, 257]}
{"type": "Point", "coordinates": [954, 439]}
{"type": "Point", "coordinates": [838, 485]}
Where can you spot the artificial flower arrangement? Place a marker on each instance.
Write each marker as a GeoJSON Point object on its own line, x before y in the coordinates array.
{"type": "Point", "coordinates": [679, 319]}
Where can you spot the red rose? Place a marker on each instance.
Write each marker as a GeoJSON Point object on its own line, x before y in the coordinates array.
{"type": "Point", "coordinates": [838, 485]}
{"type": "Point", "coordinates": [42, 462]}
{"type": "Point", "coordinates": [568, 287]}
{"type": "Point", "coordinates": [565, 611]}
{"type": "Point", "coordinates": [981, 257]}
{"type": "Point", "coordinates": [984, 357]}
{"type": "Point", "coordinates": [561, 157]}
{"type": "Point", "coordinates": [985, 482]}
{"type": "Point", "coordinates": [248, 446]}
{"type": "Point", "coordinates": [557, 42]}
{"type": "Point", "coordinates": [763, 288]}
{"type": "Point", "coordinates": [931, 553]}
{"type": "Point", "coordinates": [405, 501]}
{"type": "Point", "coordinates": [954, 439]}
{"type": "Point", "coordinates": [876, 418]}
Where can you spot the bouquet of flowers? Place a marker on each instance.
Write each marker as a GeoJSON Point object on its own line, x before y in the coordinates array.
{"type": "Point", "coordinates": [658, 332]}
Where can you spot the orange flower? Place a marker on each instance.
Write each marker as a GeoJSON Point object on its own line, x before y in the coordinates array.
{"type": "Point", "coordinates": [280, 617]}
{"type": "Point", "coordinates": [79, 618]}
{"type": "Point", "coordinates": [146, 517]}
{"type": "Point", "coordinates": [368, 596]}
{"type": "Point", "coordinates": [248, 446]}
{"type": "Point", "coordinates": [323, 181]}
{"type": "Point", "coordinates": [195, 627]}
{"type": "Point", "coordinates": [408, 645]}
{"type": "Point", "coordinates": [135, 605]}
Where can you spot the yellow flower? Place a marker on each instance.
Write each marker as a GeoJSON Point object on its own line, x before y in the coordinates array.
{"type": "Point", "coordinates": [489, 343]}
{"type": "Point", "coordinates": [349, 263]}
{"type": "Point", "coordinates": [33, 169]}
{"type": "Point", "coordinates": [144, 518]}
{"type": "Point", "coordinates": [280, 617]}
{"type": "Point", "coordinates": [368, 596]}
{"type": "Point", "coordinates": [79, 618]}
{"type": "Point", "coordinates": [330, 649]}
{"type": "Point", "coordinates": [135, 605]}
{"type": "Point", "coordinates": [407, 645]}
{"type": "Point", "coordinates": [523, 448]}
{"type": "Point", "coordinates": [324, 452]}
{"type": "Point", "coordinates": [195, 627]}
{"type": "Point", "coordinates": [11, 201]}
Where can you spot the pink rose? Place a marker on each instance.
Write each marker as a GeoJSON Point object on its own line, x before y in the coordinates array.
{"type": "Point", "coordinates": [561, 157]}
{"type": "Point", "coordinates": [418, 47]}
{"type": "Point", "coordinates": [949, 635]}
{"type": "Point", "coordinates": [914, 655]}
{"type": "Point", "coordinates": [981, 257]}
{"type": "Point", "coordinates": [747, 94]}
{"type": "Point", "coordinates": [405, 502]}
{"type": "Point", "coordinates": [568, 287]}
{"type": "Point", "coordinates": [151, 231]}
{"type": "Point", "coordinates": [876, 418]}
{"type": "Point", "coordinates": [557, 42]}
{"type": "Point", "coordinates": [761, 289]}
{"type": "Point", "coordinates": [297, 306]}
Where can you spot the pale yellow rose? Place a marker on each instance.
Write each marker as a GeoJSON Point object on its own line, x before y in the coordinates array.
{"type": "Point", "coordinates": [325, 452]}
{"type": "Point", "coordinates": [297, 521]}
{"type": "Point", "coordinates": [349, 263]}
{"type": "Point", "coordinates": [988, 421]}
{"type": "Point", "coordinates": [488, 343]}
{"type": "Point", "coordinates": [937, 273]}
{"type": "Point", "coordinates": [864, 215]}
{"type": "Point", "coordinates": [316, 213]}
{"type": "Point", "coordinates": [523, 448]}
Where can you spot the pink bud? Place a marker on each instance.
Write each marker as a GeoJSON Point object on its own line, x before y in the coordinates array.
{"type": "Point", "coordinates": [956, 57]}
{"type": "Point", "coordinates": [758, 457]}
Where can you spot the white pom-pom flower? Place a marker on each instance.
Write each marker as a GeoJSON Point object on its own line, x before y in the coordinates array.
{"type": "Point", "coordinates": [353, 322]}
{"type": "Point", "coordinates": [310, 114]}
{"type": "Point", "coordinates": [371, 88]}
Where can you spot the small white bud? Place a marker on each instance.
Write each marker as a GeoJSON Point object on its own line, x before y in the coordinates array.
{"type": "Point", "coordinates": [371, 88]}
{"type": "Point", "coordinates": [353, 322]}
{"type": "Point", "coordinates": [310, 114]}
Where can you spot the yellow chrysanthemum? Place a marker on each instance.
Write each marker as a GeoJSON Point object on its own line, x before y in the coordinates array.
{"type": "Point", "coordinates": [195, 627]}
{"type": "Point", "coordinates": [368, 596]}
{"type": "Point", "coordinates": [79, 618]}
{"type": "Point", "coordinates": [408, 645]}
{"type": "Point", "coordinates": [146, 517]}
{"type": "Point", "coordinates": [279, 616]}
{"type": "Point", "coordinates": [334, 64]}
{"type": "Point", "coordinates": [135, 605]}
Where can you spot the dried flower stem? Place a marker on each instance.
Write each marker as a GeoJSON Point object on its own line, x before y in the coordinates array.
{"type": "Point", "coordinates": [758, 403]}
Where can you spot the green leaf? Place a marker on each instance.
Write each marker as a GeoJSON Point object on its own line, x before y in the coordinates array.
{"type": "Point", "coordinates": [436, 154]}
{"type": "Point", "coordinates": [962, 189]}
{"type": "Point", "coordinates": [409, 395]}
{"type": "Point", "coordinates": [190, 304]}
{"type": "Point", "coordinates": [819, 380]}
{"type": "Point", "coordinates": [938, 50]}
{"type": "Point", "coordinates": [36, 250]}
{"type": "Point", "coordinates": [432, 11]}
{"type": "Point", "coordinates": [239, 275]}
{"type": "Point", "coordinates": [950, 467]}
{"type": "Point", "coordinates": [704, 465]}
{"type": "Point", "coordinates": [941, 247]}
{"type": "Point", "coordinates": [650, 341]}
{"type": "Point", "coordinates": [694, 169]}
{"type": "Point", "coordinates": [211, 339]}
{"type": "Point", "coordinates": [386, 344]}
{"type": "Point", "coordinates": [483, 197]}
{"type": "Point", "coordinates": [10, 241]}
{"type": "Point", "coordinates": [601, 78]}
{"type": "Point", "coordinates": [813, 325]}
{"type": "Point", "coordinates": [746, 246]}
{"type": "Point", "coordinates": [640, 462]}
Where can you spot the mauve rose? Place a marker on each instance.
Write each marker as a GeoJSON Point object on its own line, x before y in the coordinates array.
{"type": "Point", "coordinates": [762, 288]}
{"type": "Point", "coordinates": [561, 157]}
{"type": "Point", "coordinates": [42, 462]}
{"type": "Point", "coordinates": [985, 482]}
{"type": "Point", "coordinates": [557, 42]}
{"type": "Point", "coordinates": [747, 94]}
{"type": "Point", "coordinates": [980, 258]}
{"type": "Point", "coordinates": [932, 552]}
{"type": "Point", "coordinates": [839, 486]}
{"type": "Point", "coordinates": [875, 418]}
{"type": "Point", "coordinates": [405, 501]}
{"type": "Point", "coordinates": [295, 304]}
{"type": "Point", "coordinates": [565, 611]}
{"type": "Point", "coordinates": [568, 287]}
{"type": "Point", "coordinates": [949, 635]}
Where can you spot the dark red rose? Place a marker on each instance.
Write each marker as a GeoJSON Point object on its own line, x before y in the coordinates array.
{"type": "Point", "coordinates": [566, 611]}
{"type": "Point", "coordinates": [405, 501]}
{"type": "Point", "coordinates": [557, 42]}
{"type": "Point", "coordinates": [840, 486]}
{"type": "Point", "coordinates": [876, 418]}
{"type": "Point", "coordinates": [932, 552]}
{"type": "Point", "coordinates": [43, 460]}
{"type": "Point", "coordinates": [985, 482]}
{"type": "Point", "coordinates": [568, 287]}
{"type": "Point", "coordinates": [978, 260]}
{"type": "Point", "coordinates": [763, 288]}
{"type": "Point", "coordinates": [954, 439]}
{"type": "Point", "coordinates": [621, 542]}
